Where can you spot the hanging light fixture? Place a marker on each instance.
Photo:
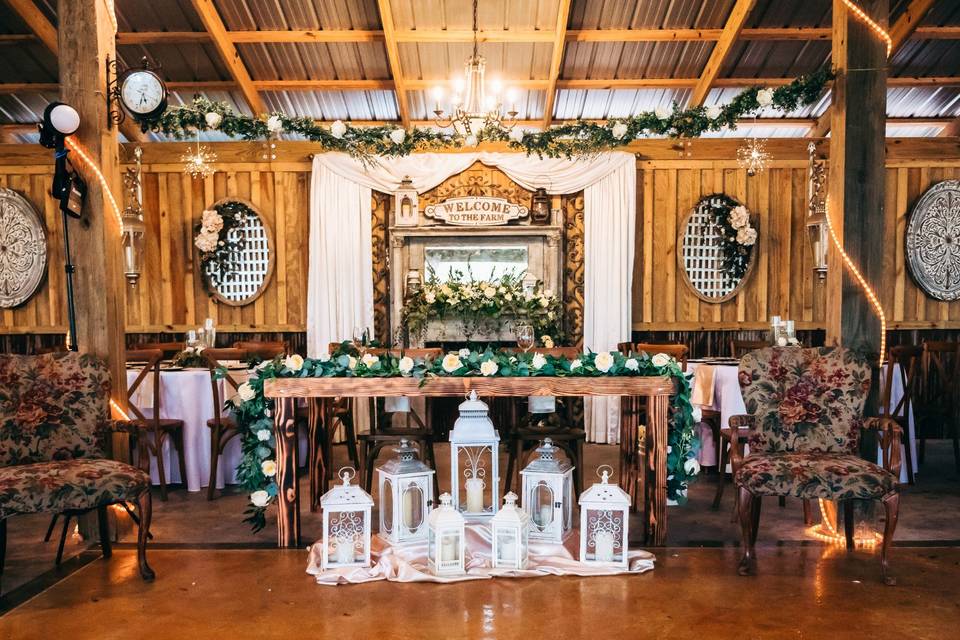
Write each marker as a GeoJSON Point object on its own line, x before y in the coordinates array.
{"type": "Point", "coordinates": [475, 105]}
{"type": "Point", "coordinates": [198, 162]}
{"type": "Point", "coordinates": [134, 229]}
{"type": "Point", "coordinates": [753, 156]}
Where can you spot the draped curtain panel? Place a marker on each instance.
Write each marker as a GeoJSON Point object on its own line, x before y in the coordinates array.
{"type": "Point", "coordinates": [340, 288]}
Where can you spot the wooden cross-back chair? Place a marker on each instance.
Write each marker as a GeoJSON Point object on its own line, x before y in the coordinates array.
{"type": "Point", "coordinates": [222, 428]}
{"type": "Point", "coordinates": [263, 349]}
{"type": "Point", "coordinates": [903, 365]}
{"type": "Point", "coordinates": [936, 403]}
{"type": "Point", "coordinates": [150, 432]}
{"type": "Point", "coordinates": [168, 348]}
{"type": "Point", "coordinates": [740, 348]}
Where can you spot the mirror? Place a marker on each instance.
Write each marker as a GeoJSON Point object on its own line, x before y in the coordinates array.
{"type": "Point", "coordinates": [485, 262]}
{"type": "Point", "coordinates": [717, 247]}
{"type": "Point", "coordinates": [241, 273]}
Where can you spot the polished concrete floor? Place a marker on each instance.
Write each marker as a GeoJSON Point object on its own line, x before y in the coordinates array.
{"type": "Point", "coordinates": [214, 575]}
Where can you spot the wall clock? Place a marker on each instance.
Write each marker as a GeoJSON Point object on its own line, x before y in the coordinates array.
{"type": "Point", "coordinates": [933, 241]}
{"type": "Point", "coordinates": [23, 249]}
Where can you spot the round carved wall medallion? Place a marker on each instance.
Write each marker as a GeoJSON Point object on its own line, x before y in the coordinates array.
{"type": "Point", "coordinates": [933, 241]}
{"type": "Point", "coordinates": [23, 249]}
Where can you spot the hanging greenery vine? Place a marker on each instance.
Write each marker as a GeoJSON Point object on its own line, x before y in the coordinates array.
{"type": "Point", "coordinates": [738, 236]}
{"type": "Point", "coordinates": [579, 138]}
{"type": "Point", "coordinates": [218, 247]}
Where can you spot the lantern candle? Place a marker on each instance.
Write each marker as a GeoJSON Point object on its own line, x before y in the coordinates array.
{"type": "Point", "coordinates": [448, 549]}
{"type": "Point", "coordinates": [475, 495]}
{"type": "Point", "coordinates": [408, 510]}
{"type": "Point", "coordinates": [344, 552]}
{"type": "Point", "coordinates": [508, 551]}
{"type": "Point", "coordinates": [603, 544]}
{"type": "Point", "coordinates": [546, 514]}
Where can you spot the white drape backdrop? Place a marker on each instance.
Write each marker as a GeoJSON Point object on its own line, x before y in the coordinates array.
{"type": "Point", "coordinates": [340, 285]}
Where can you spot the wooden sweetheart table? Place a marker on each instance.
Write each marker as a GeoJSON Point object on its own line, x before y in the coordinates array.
{"type": "Point", "coordinates": [657, 391]}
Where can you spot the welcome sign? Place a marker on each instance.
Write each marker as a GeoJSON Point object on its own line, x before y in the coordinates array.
{"type": "Point", "coordinates": [476, 211]}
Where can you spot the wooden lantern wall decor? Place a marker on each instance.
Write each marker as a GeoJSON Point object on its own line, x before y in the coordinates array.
{"type": "Point", "coordinates": [933, 241]}
{"type": "Point", "coordinates": [250, 267]}
{"type": "Point", "coordinates": [23, 249]}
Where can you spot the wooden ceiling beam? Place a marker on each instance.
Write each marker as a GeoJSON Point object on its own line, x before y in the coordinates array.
{"type": "Point", "coordinates": [218, 33]}
{"type": "Point", "coordinates": [905, 26]}
{"type": "Point", "coordinates": [556, 60]}
{"type": "Point", "coordinates": [38, 23]}
{"type": "Point", "coordinates": [393, 59]}
{"type": "Point", "coordinates": [731, 31]}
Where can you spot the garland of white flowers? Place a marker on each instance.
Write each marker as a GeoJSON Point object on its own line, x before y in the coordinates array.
{"type": "Point", "coordinates": [253, 411]}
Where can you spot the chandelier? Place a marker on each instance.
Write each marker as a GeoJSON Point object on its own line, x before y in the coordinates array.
{"type": "Point", "coordinates": [753, 156]}
{"type": "Point", "coordinates": [475, 105]}
{"type": "Point", "coordinates": [199, 162]}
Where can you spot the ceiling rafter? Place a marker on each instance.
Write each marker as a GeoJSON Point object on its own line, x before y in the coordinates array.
{"type": "Point", "coordinates": [393, 59]}
{"type": "Point", "coordinates": [556, 60]}
{"type": "Point", "coordinates": [905, 26]}
{"type": "Point", "coordinates": [218, 33]}
{"type": "Point", "coordinates": [731, 31]}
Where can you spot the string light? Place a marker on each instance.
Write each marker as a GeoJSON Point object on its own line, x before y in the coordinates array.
{"type": "Point", "coordinates": [116, 407]}
{"type": "Point", "coordinates": [74, 145]}
{"type": "Point", "coordinates": [863, 17]}
{"type": "Point", "coordinates": [827, 532]}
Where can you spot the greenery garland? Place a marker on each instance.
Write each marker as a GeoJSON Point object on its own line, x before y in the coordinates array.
{"type": "Point", "coordinates": [257, 470]}
{"type": "Point", "coordinates": [218, 247]}
{"type": "Point", "coordinates": [480, 305]}
{"type": "Point", "coordinates": [567, 140]}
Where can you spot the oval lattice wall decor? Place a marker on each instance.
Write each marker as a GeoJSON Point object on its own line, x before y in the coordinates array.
{"type": "Point", "coordinates": [933, 241]}
{"type": "Point", "coordinates": [23, 249]}
{"type": "Point", "coordinates": [253, 264]}
{"type": "Point", "coordinates": [701, 253]}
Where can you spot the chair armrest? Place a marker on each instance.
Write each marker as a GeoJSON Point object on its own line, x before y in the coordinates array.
{"type": "Point", "coordinates": [736, 423]}
{"type": "Point", "coordinates": [891, 436]}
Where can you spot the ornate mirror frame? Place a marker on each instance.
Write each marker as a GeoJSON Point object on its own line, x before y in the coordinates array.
{"type": "Point", "coordinates": [271, 259]}
{"type": "Point", "coordinates": [932, 241]}
{"type": "Point", "coordinates": [23, 249]}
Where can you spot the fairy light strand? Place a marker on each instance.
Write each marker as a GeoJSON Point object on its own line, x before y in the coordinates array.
{"type": "Point", "coordinates": [74, 145]}
{"type": "Point", "coordinates": [870, 22]}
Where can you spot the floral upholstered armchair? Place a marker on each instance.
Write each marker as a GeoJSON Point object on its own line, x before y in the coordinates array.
{"type": "Point", "coordinates": [54, 416]}
{"type": "Point", "coordinates": [806, 416]}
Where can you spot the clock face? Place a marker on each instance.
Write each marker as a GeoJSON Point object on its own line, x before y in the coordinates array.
{"type": "Point", "coordinates": [142, 92]}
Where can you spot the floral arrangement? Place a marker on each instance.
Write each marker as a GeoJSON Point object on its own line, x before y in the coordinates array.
{"type": "Point", "coordinates": [480, 305]}
{"type": "Point", "coordinates": [191, 357]}
{"type": "Point", "coordinates": [254, 412]}
{"type": "Point", "coordinates": [567, 140]}
{"type": "Point", "coordinates": [217, 246]}
{"type": "Point", "coordinates": [738, 235]}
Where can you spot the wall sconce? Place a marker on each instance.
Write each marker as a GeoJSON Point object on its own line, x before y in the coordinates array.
{"type": "Point", "coordinates": [540, 207]}
{"type": "Point", "coordinates": [405, 204]}
{"type": "Point", "coordinates": [134, 229]}
{"type": "Point", "coordinates": [817, 210]}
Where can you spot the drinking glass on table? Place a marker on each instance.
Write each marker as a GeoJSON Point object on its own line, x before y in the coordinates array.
{"type": "Point", "coordinates": [525, 336]}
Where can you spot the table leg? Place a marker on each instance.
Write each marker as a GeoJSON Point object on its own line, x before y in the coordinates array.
{"type": "Point", "coordinates": [288, 494]}
{"type": "Point", "coordinates": [318, 466]}
{"type": "Point", "coordinates": [657, 423]}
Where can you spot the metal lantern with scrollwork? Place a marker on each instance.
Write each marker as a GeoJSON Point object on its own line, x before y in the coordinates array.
{"type": "Point", "coordinates": [446, 538]}
{"type": "Point", "coordinates": [474, 448]}
{"type": "Point", "coordinates": [406, 495]}
{"type": "Point", "coordinates": [405, 204]}
{"type": "Point", "coordinates": [548, 494]}
{"type": "Point", "coordinates": [604, 520]}
{"type": "Point", "coordinates": [510, 529]}
{"type": "Point", "coordinates": [346, 524]}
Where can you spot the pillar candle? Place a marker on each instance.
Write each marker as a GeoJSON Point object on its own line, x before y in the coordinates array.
{"type": "Point", "coordinates": [546, 514]}
{"type": "Point", "coordinates": [408, 511]}
{"type": "Point", "coordinates": [508, 551]}
{"type": "Point", "coordinates": [448, 549]}
{"type": "Point", "coordinates": [344, 551]}
{"type": "Point", "coordinates": [474, 495]}
{"type": "Point", "coordinates": [603, 544]}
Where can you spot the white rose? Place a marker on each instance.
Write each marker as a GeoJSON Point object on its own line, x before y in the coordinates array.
{"type": "Point", "coordinates": [765, 97]}
{"type": "Point", "coordinates": [352, 362]}
{"type": "Point", "coordinates": [781, 342]}
{"type": "Point", "coordinates": [274, 124]}
{"type": "Point", "coordinates": [697, 414]}
{"type": "Point", "coordinates": [663, 112]}
{"type": "Point", "coordinates": [488, 367]}
{"type": "Point", "coordinates": [451, 362]}
{"type": "Point", "coordinates": [293, 362]}
{"type": "Point", "coordinates": [691, 466]}
{"type": "Point", "coordinates": [211, 221]}
{"type": "Point", "coordinates": [516, 134]}
{"type": "Point", "coordinates": [213, 119]}
{"type": "Point", "coordinates": [538, 361]}
{"type": "Point", "coordinates": [631, 364]}
{"type": "Point", "coordinates": [576, 364]}
{"type": "Point", "coordinates": [397, 136]}
{"type": "Point", "coordinates": [490, 292]}
{"type": "Point", "coordinates": [405, 365]}
{"type": "Point", "coordinates": [337, 129]}
{"type": "Point", "coordinates": [369, 360]}
{"type": "Point", "coordinates": [661, 360]}
{"type": "Point", "coordinates": [747, 236]}
{"type": "Point", "coordinates": [739, 217]}
{"type": "Point", "coordinates": [603, 361]}
{"type": "Point", "coordinates": [324, 357]}
{"type": "Point", "coordinates": [508, 297]}
{"type": "Point", "coordinates": [471, 140]}
{"type": "Point", "coordinates": [246, 392]}
{"type": "Point", "coordinates": [619, 130]}
{"type": "Point", "coordinates": [547, 342]}
{"type": "Point", "coordinates": [260, 498]}
{"type": "Point", "coordinates": [464, 353]}
{"type": "Point", "coordinates": [269, 468]}
{"type": "Point", "coordinates": [430, 297]}
{"type": "Point", "coordinates": [713, 112]}
{"type": "Point", "coordinates": [263, 435]}
{"type": "Point", "coordinates": [206, 242]}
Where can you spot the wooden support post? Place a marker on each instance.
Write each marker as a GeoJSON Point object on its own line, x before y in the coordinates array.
{"type": "Point", "coordinates": [856, 183]}
{"type": "Point", "coordinates": [86, 38]}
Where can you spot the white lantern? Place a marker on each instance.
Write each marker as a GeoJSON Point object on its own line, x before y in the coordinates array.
{"type": "Point", "coordinates": [604, 520]}
{"type": "Point", "coordinates": [548, 494]}
{"type": "Point", "coordinates": [406, 495]}
{"type": "Point", "coordinates": [511, 529]}
{"type": "Point", "coordinates": [474, 448]}
{"type": "Point", "coordinates": [346, 524]}
{"type": "Point", "coordinates": [405, 204]}
{"type": "Point", "coordinates": [445, 539]}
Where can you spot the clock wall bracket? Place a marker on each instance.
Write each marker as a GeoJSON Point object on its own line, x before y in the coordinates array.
{"type": "Point", "coordinates": [153, 93]}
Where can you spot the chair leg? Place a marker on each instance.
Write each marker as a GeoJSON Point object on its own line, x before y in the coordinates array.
{"type": "Point", "coordinates": [807, 512]}
{"type": "Point", "coordinates": [178, 443]}
{"type": "Point", "coordinates": [63, 538]}
{"type": "Point", "coordinates": [161, 472]}
{"type": "Point", "coordinates": [351, 435]}
{"type": "Point", "coordinates": [103, 524]}
{"type": "Point", "coordinates": [145, 504]}
{"type": "Point", "coordinates": [214, 459]}
{"type": "Point", "coordinates": [511, 461]}
{"type": "Point", "coordinates": [922, 450]}
{"type": "Point", "coordinates": [53, 523]}
{"type": "Point", "coordinates": [432, 461]}
{"type": "Point", "coordinates": [721, 476]}
{"type": "Point", "coordinates": [782, 501]}
{"type": "Point", "coordinates": [891, 506]}
{"type": "Point", "coordinates": [755, 504]}
{"type": "Point", "coordinates": [3, 546]}
{"type": "Point", "coordinates": [578, 472]}
{"type": "Point", "coordinates": [747, 562]}
{"type": "Point", "coordinates": [848, 524]}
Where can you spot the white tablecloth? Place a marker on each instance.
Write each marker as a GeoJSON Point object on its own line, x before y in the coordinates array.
{"type": "Point", "coordinates": [728, 400]}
